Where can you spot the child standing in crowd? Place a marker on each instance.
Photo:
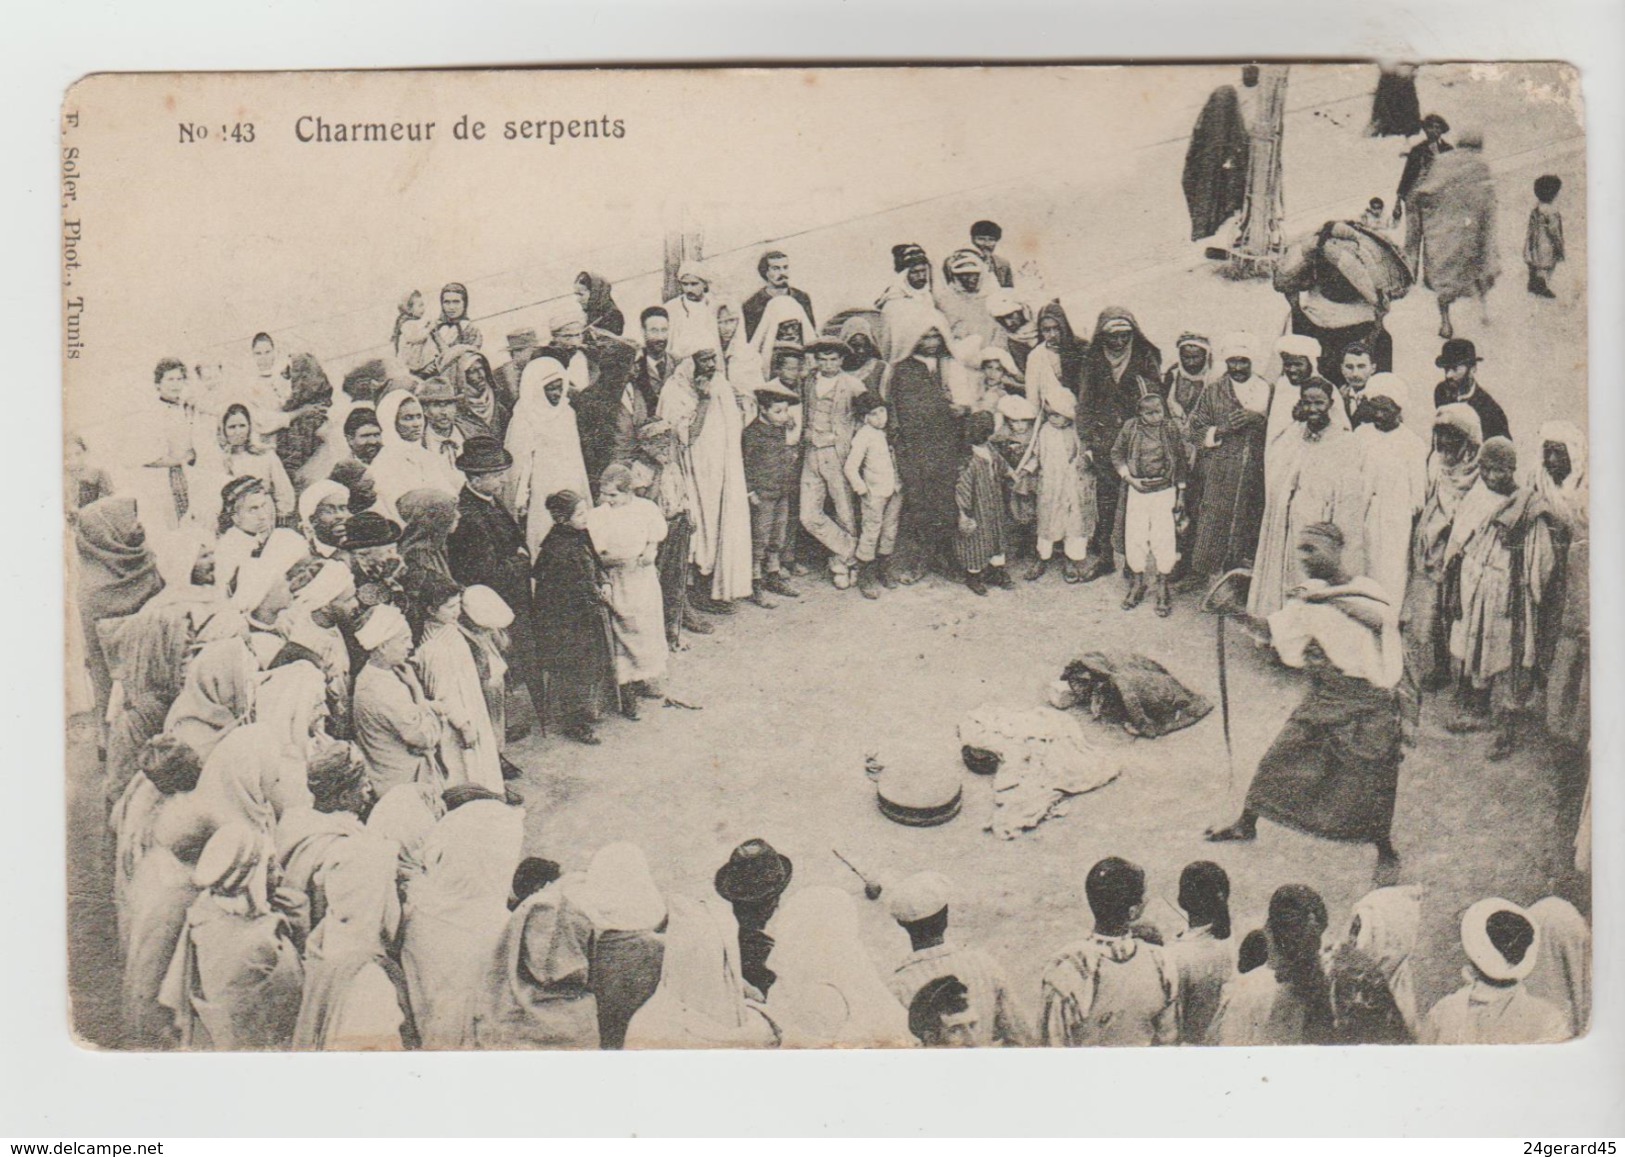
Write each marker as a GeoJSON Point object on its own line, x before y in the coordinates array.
{"type": "Point", "coordinates": [1150, 459]}
{"type": "Point", "coordinates": [1543, 244]}
{"type": "Point", "coordinates": [413, 338]}
{"type": "Point", "coordinates": [1372, 217]}
{"type": "Point", "coordinates": [771, 471]}
{"type": "Point", "coordinates": [1011, 440]}
{"type": "Point", "coordinates": [980, 495]}
{"type": "Point", "coordinates": [872, 472]}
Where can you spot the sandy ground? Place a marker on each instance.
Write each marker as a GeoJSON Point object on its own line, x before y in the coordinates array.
{"type": "Point", "coordinates": [793, 699]}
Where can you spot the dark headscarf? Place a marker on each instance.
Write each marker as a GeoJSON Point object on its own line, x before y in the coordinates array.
{"type": "Point", "coordinates": [1072, 350]}
{"type": "Point", "coordinates": [428, 515]}
{"type": "Point", "coordinates": [602, 312]}
{"type": "Point", "coordinates": [120, 573]}
{"type": "Point", "coordinates": [454, 287]}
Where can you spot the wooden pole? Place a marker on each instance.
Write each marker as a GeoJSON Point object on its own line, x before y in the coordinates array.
{"type": "Point", "coordinates": [684, 242]}
{"type": "Point", "coordinates": [1258, 240]}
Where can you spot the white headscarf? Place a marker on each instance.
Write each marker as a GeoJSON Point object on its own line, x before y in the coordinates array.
{"type": "Point", "coordinates": [701, 1000]}
{"type": "Point", "coordinates": [1562, 974]}
{"type": "Point", "coordinates": [741, 360]}
{"type": "Point", "coordinates": [828, 992]}
{"type": "Point", "coordinates": [1390, 920]}
{"type": "Point", "coordinates": [318, 492]}
{"type": "Point", "coordinates": [617, 893]}
{"type": "Point", "coordinates": [1570, 500]}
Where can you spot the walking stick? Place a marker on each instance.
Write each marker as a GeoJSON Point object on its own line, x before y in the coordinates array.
{"type": "Point", "coordinates": [1229, 591]}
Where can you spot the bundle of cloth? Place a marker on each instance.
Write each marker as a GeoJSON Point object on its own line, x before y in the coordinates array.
{"type": "Point", "coordinates": [1043, 759]}
{"type": "Point", "coordinates": [1134, 691]}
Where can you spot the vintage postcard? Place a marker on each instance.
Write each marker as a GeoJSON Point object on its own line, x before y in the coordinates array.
{"type": "Point", "coordinates": [827, 557]}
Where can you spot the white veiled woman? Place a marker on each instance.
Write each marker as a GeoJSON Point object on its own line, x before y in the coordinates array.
{"type": "Point", "coordinates": [405, 463]}
{"type": "Point", "coordinates": [619, 897]}
{"type": "Point", "coordinates": [1562, 974]}
{"type": "Point", "coordinates": [258, 771]}
{"type": "Point", "coordinates": [828, 994]}
{"type": "Point", "coordinates": [1384, 925]}
{"type": "Point", "coordinates": [546, 448]}
{"type": "Point", "coordinates": [700, 1002]}
{"type": "Point", "coordinates": [455, 915]}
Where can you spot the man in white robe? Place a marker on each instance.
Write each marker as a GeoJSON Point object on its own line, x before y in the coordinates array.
{"type": "Point", "coordinates": [698, 403]}
{"type": "Point", "coordinates": [1393, 477]}
{"type": "Point", "coordinates": [1311, 474]}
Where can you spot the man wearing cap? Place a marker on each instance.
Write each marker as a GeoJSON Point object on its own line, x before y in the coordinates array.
{"type": "Point", "coordinates": [487, 548]}
{"type": "Point", "coordinates": [912, 280]}
{"type": "Point", "coordinates": [774, 270]}
{"type": "Point", "coordinates": [441, 434]}
{"type": "Point", "coordinates": [567, 333]}
{"type": "Point", "coordinates": [753, 880]}
{"type": "Point", "coordinates": [1393, 478]}
{"type": "Point", "coordinates": [1502, 943]}
{"type": "Point", "coordinates": [1017, 323]}
{"type": "Point", "coordinates": [522, 344]}
{"type": "Point", "coordinates": [1417, 163]}
{"type": "Point", "coordinates": [1119, 367]}
{"type": "Point", "coordinates": [829, 425]}
{"type": "Point", "coordinates": [397, 725]}
{"type": "Point", "coordinates": [985, 237]}
{"type": "Point", "coordinates": [1459, 360]}
{"type": "Point", "coordinates": [1333, 771]}
{"type": "Point", "coordinates": [1227, 427]}
{"type": "Point", "coordinates": [1300, 355]}
{"type": "Point", "coordinates": [990, 1017]}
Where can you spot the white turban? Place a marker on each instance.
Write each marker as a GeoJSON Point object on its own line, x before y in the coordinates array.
{"type": "Point", "coordinates": [257, 576]}
{"type": "Point", "coordinates": [332, 582]}
{"type": "Point", "coordinates": [1015, 408]}
{"type": "Point", "coordinates": [1238, 345]}
{"type": "Point", "coordinates": [1297, 345]}
{"type": "Point", "coordinates": [1390, 386]}
{"type": "Point", "coordinates": [569, 315]}
{"type": "Point", "coordinates": [691, 271]}
{"type": "Point", "coordinates": [323, 490]}
{"type": "Point", "coordinates": [1481, 950]}
{"type": "Point", "coordinates": [1002, 303]}
{"type": "Point", "coordinates": [382, 624]}
{"type": "Point", "coordinates": [485, 608]}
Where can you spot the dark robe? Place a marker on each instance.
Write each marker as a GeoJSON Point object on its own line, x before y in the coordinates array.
{"type": "Point", "coordinates": [488, 548]}
{"type": "Point", "coordinates": [1215, 179]}
{"type": "Point", "coordinates": [625, 973]}
{"type": "Point", "coordinates": [1491, 417]}
{"type": "Point", "coordinates": [1105, 402]}
{"type": "Point", "coordinates": [927, 444]}
{"type": "Point", "coordinates": [756, 305]}
{"type": "Point", "coordinates": [1395, 111]}
{"type": "Point", "coordinates": [572, 627]}
{"type": "Point", "coordinates": [1229, 481]}
{"type": "Point", "coordinates": [608, 432]}
{"type": "Point", "coordinates": [1333, 771]}
{"type": "Point", "coordinates": [1129, 689]}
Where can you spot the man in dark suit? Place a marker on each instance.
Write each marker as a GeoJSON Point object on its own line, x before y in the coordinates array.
{"type": "Point", "coordinates": [773, 268]}
{"type": "Point", "coordinates": [1459, 360]}
{"type": "Point", "coordinates": [488, 548]}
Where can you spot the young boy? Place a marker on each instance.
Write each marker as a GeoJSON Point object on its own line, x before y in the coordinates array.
{"type": "Point", "coordinates": [872, 473]}
{"type": "Point", "coordinates": [789, 371]}
{"type": "Point", "coordinates": [1016, 417]}
{"type": "Point", "coordinates": [980, 495]}
{"type": "Point", "coordinates": [1150, 459]}
{"type": "Point", "coordinates": [1543, 245]}
{"type": "Point", "coordinates": [1372, 217]}
{"type": "Point", "coordinates": [771, 473]}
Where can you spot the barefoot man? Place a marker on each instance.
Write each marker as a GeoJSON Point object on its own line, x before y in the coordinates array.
{"type": "Point", "coordinates": [1334, 768]}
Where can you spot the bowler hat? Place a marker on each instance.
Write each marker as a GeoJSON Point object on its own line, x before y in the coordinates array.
{"type": "Point", "coordinates": [369, 529]}
{"type": "Point", "coordinates": [754, 872]}
{"type": "Point", "coordinates": [1458, 351]}
{"type": "Point", "coordinates": [483, 454]}
{"type": "Point", "coordinates": [1434, 118]}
